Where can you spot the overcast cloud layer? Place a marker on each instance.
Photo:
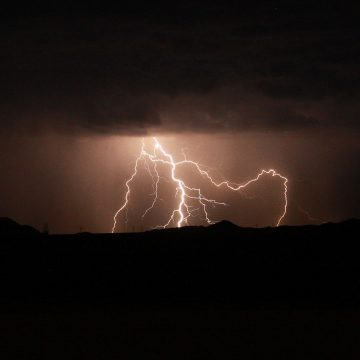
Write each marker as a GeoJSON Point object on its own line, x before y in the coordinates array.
{"type": "Point", "coordinates": [208, 69]}
{"type": "Point", "coordinates": [239, 87]}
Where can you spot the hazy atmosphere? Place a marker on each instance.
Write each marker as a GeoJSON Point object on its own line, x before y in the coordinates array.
{"type": "Point", "coordinates": [238, 91]}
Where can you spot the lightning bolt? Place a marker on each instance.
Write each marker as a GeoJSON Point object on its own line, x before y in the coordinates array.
{"type": "Point", "coordinates": [183, 192]}
{"type": "Point", "coordinates": [307, 214]}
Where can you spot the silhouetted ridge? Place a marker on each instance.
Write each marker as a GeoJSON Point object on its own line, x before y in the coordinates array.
{"type": "Point", "coordinates": [7, 224]}
{"type": "Point", "coordinates": [10, 227]}
{"type": "Point", "coordinates": [218, 263]}
{"type": "Point", "coordinates": [225, 225]}
{"type": "Point", "coordinates": [351, 222]}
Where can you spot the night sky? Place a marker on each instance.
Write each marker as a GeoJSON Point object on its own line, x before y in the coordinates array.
{"type": "Point", "coordinates": [239, 87]}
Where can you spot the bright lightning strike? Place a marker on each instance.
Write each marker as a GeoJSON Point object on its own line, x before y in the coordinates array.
{"type": "Point", "coordinates": [184, 194]}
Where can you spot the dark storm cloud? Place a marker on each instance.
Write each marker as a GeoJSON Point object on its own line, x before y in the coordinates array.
{"type": "Point", "coordinates": [206, 69]}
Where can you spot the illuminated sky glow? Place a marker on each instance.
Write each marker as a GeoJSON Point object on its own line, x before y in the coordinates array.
{"type": "Point", "coordinates": [241, 87]}
{"type": "Point", "coordinates": [183, 211]}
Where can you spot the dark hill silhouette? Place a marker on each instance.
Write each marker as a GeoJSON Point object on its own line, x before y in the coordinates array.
{"type": "Point", "coordinates": [219, 263]}
{"type": "Point", "coordinates": [224, 225]}
{"type": "Point", "coordinates": [10, 227]}
{"type": "Point", "coordinates": [216, 292]}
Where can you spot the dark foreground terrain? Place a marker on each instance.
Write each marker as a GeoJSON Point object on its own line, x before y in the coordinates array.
{"type": "Point", "coordinates": [220, 292]}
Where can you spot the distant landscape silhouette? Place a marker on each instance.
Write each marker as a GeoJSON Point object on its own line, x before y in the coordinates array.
{"type": "Point", "coordinates": [219, 263]}
{"type": "Point", "coordinates": [217, 292]}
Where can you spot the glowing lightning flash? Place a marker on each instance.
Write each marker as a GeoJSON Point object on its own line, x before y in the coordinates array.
{"type": "Point", "coordinates": [183, 192]}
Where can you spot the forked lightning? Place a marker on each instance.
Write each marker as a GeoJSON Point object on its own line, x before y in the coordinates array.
{"type": "Point", "coordinates": [184, 193]}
